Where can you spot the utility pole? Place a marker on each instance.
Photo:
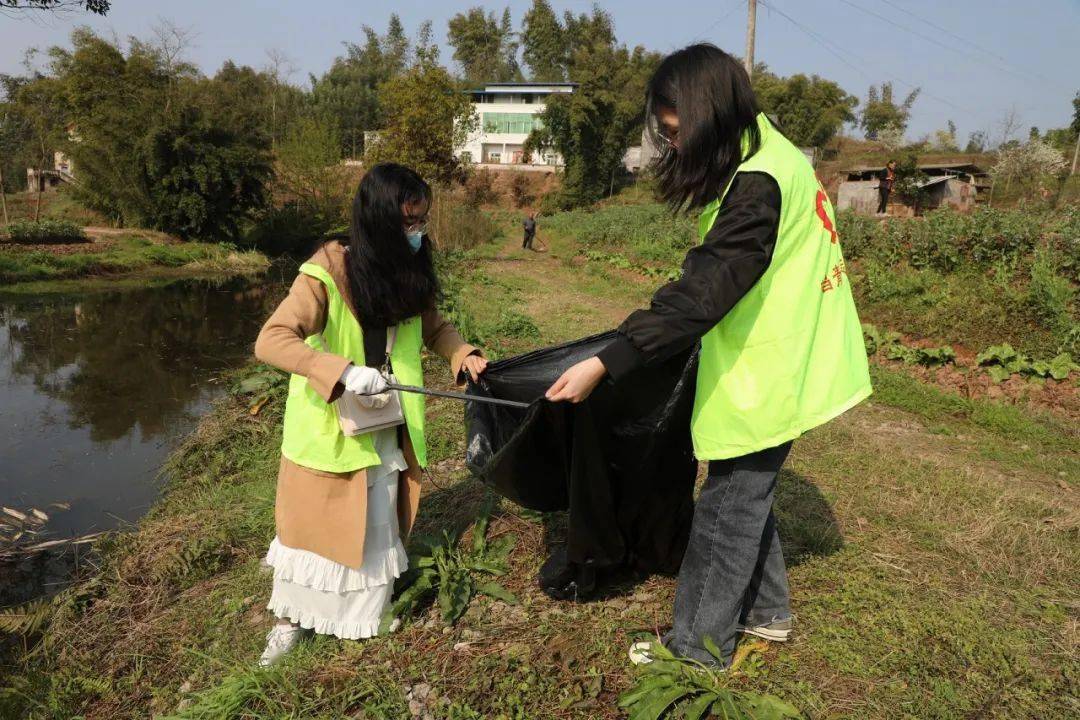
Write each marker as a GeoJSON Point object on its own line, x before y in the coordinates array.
{"type": "Point", "coordinates": [1076, 155]}
{"type": "Point", "coordinates": [751, 28]}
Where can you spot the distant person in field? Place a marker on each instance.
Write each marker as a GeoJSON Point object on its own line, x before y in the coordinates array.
{"type": "Point", "coordinates": [346, 503]}
{"type": "Point", "coordinates": [767, 296]}
{"type": "Point", "coordinates": [529, 224]}
{"type": "Point", "coordinates": [886, 179]}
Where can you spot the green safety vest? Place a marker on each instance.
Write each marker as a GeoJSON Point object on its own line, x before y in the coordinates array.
{"type": "Point", "coordinates": [789, 356]}
{"type": "Point", "coordinates": [312, 436]}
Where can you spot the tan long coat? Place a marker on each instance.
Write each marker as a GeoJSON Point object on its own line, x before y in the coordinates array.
{"type": "Point", "coordinates": [323, 512]}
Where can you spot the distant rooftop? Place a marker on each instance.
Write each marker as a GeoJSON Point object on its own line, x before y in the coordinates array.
{"type": "Point", "coordinates": [525, 87]}
{"type": "Point", "coordinates": [969, 166]}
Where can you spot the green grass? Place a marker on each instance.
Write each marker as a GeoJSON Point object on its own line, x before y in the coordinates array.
{"type": "Point", "coordinates": [129, 254]}
{"type": "Point", "coordinates": [931, 543]}
{"type": "Point", "coordinates": [58, 205]}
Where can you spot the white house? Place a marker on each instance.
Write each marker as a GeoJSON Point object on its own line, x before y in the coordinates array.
{"type": "Point", "coordinates": [508, 112]}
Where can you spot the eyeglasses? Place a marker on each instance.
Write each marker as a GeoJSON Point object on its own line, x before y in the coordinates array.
{"type": "Point", "coordinates": [419, 226]}
{"type": "Point", "coordinates": [670, 137]}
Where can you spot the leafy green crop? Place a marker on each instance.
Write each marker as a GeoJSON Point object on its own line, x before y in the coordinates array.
{"type": "Point", "coordinates": [889, 342]}
{"type": "Point", "coordinates": [676, 687]}
{"type": "Point", "coordinates": [1002, 361]}
{"type": "Point", "coordinates": [454, 574]}
{"type": "Point", "coordinates": [45, 231]}
{"type": "Point", "coordinates": [621, 262]}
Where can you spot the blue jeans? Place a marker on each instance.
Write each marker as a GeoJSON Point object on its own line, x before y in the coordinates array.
{"type": "Point", "coordinates": [733, 572]}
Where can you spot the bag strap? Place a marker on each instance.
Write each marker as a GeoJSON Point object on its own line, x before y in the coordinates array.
{"type": "Point", "coordinates": [391, 337]}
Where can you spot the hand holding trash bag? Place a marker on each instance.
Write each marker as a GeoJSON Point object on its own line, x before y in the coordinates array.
{"type": "Point", "coordinates": [577, 383]}
{"type": "Point", "coordinates": [475, 365]}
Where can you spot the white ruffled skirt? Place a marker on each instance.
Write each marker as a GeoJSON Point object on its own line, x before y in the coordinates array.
{"type": "Point", "coordinates": [334, 599]}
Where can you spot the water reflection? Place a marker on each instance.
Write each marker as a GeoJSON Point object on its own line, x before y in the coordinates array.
{"type": "Point", "coordinates": [95, 387]}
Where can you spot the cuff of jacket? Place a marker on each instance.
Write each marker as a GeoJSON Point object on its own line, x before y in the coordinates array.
{"type": "Point", "coordinates": [457, 361]}
{"type": "Point", "coordinates": [324, 374]}
{"type": "Point", "coordinates": [620, 358]}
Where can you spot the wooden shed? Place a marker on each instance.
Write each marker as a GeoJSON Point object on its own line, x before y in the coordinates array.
{"type": "Point", "coordinates": [953, 185]}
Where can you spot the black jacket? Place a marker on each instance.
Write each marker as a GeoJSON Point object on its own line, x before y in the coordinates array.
{"type": "Point", "coordinates": [716, 275]}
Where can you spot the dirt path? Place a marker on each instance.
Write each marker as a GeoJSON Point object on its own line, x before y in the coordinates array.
{"type": "Point", "coordinates": [563, 296]}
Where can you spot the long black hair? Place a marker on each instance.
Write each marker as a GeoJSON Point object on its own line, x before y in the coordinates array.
{"type": "Point", "coordinates": [388, 282]}
{"type": "Point", "coordinates": [711, 94]}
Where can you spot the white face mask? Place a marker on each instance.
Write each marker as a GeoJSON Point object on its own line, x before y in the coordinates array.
{"type": "Point", "coordinates": [415, 239]}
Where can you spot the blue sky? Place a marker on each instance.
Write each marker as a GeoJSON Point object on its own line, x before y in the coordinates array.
{"type": "Point", "coordinates": [982, 59]}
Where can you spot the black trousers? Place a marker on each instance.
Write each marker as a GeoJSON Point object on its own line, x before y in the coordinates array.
{"type": "Point", "coordinates": [527, 242]}
{"type": "Point", "coordinates": [883, 205]}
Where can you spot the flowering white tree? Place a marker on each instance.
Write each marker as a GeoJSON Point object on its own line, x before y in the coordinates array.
{"type": "Point", "coordinates": [1032, 161]}
{"type": "Point", "coordinates": [891, 137]}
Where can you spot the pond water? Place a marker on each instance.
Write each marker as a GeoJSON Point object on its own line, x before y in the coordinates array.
{"type": "Point", "coordinates": [98, 385]}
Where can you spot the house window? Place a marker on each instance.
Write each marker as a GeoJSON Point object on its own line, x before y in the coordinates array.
{"type": "Point", "coordinates": [522, 123]}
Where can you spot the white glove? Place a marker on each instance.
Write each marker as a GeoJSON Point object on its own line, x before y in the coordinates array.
{"type": "Point", "coordinates": [368, 383]}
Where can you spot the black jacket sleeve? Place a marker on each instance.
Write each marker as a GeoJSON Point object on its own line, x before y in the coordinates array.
{"type": "Point", "coordinates": [716, 275]}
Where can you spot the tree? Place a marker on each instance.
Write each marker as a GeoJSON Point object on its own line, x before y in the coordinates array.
{"type": "Point", "coordinates": [811, 110]}
{"type": "Point", "coordinates": [1075, 126]}
{"type": "Point", "coordinates": [1031, 163]}
{"type": "Point", "coordinates": [154, 143]}
{"type": "Point", "coordinates": [909, 181]}
{"type": "Point", "coordinates": [976, 142]}
{"type": "Point", "coordinates": [98, 7]}
{"type": "Point", "coordinates": [945, 140]}
{"type": "Point", "coordinates": [891, 138]}
{"type": "Point", "coordinates": [880, 111]}
{"type": "Point", "coordinates": [426, 119]}
{"type": "Point", "coordinates": [309, 169]}
{"type": "Point", "coordinates": [39, 104]}
{"type": "Point", "coordinates": [484, 46]}
{"type": "Point", "coordinates": [204, 176]}
{"type": "Point", "coordinates": [1010, 123]}
{"type": "Point", "coordinates": [544, 43]}
{"type": "Point", "coordinates": [15, 139]}
{"type": "Point", "coordinates": [348, 91]}
{"type": "Point", "coordinates": [593, 126]}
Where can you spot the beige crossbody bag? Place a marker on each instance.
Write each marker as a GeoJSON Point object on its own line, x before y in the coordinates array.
{"type": "Point", "coordinates": [356, 418]}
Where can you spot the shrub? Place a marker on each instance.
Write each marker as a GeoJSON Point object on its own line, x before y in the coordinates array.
{"type": "Point", "coordinates": [44, 232]}
{"type": "Point", "coordinates": [519, 190]}
{"type": "Point", "coordinates": [858, 233]}
{"type": "Point", "coordinates": [288, 230]}
{"type": "Point", "coordinates": [513, 324]}
{"type": "Point", "coordinates": [1001, 234]}
{"type": "Point", "coordinates": [646, 233]}
{"type": "Point", "coordinates": [1050, 296]}
{"type": "Point", "coordinates": [936, 241]}
{"type": "Point", "coordinates": [480, 188]}
{"type": "Point", "coordinates": [457, 225]}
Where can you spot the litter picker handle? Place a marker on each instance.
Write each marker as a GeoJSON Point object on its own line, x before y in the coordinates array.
{"type": "Point", "coordinates": [458, 396]}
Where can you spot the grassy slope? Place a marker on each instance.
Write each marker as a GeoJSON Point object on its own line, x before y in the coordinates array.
{"type": "Point", "coordinates": [128, 253]}
{"type": "Point", "coordinates": [932, 545]}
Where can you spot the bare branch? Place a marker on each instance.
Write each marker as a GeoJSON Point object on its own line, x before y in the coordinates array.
{"type": "Point", "coordinates": [98, 7]}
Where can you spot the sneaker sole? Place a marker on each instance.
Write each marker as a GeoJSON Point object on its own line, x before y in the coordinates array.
{"type": "Point", "coordinates": [766, 634]}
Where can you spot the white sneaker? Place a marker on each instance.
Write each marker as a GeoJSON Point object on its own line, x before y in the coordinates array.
{"type": "Point", "coordinates": [279, 641]}
{"type": "Point", "coordinates": [641, 652]}
{"type": "Point", "coordinates": [778, 631]}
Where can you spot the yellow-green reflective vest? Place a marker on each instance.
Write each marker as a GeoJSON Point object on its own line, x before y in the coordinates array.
{"type": "Point", "coordinates": [312, 436]}
{"type": "Point", "coordinates": [789, 356]}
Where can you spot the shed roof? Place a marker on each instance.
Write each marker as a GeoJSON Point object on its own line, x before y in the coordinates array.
{"type": "Point", "coordinates": [968, 166]}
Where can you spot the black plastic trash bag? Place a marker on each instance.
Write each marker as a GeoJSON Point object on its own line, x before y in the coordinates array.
{"type": "Point", "coordinates": [621, 462]}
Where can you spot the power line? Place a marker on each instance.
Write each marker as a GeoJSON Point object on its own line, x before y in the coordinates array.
{"type": "Point", "coordinates": [944, 30]}
{"type": "Point", "coordinates": [826, 43]}
{"type": "Point", "coordinates": [735, 6]}
{"type": "Point", "coordinates": [927, 38]}
{"type": "Point", "coordinates": [970, 43]}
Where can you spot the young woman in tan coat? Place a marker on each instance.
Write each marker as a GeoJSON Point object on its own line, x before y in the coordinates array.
{"type": "Point", "coordinates": [345, 503]}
